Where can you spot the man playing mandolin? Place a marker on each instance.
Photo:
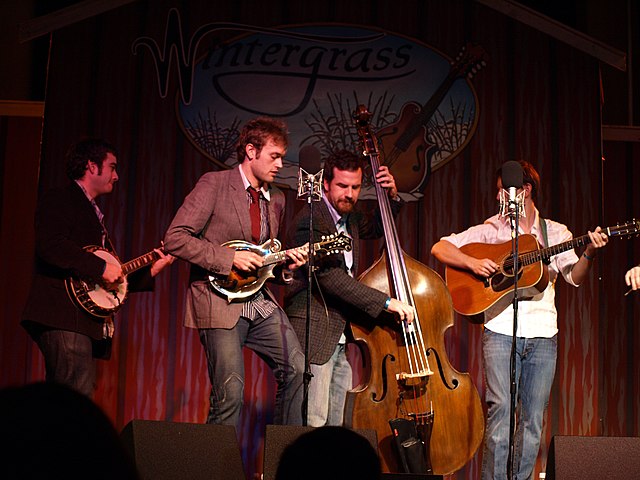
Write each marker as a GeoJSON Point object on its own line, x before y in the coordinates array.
{"type": "Point", "coordinates": [537, 327]}
{"type": "Point", "coordinates": [240, 204]}
{"type": "Point", "coordinates": [68, 220]}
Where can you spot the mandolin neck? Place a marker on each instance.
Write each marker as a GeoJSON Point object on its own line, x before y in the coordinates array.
{"type": "Point", "coordinates": [279, 257]}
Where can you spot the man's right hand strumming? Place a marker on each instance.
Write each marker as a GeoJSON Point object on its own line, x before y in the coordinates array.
{"type": "Point", "coordinates": [112, 274]}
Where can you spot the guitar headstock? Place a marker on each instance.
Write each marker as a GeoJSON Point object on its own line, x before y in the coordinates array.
{"type": "Point", "coordinates": [469, 61]}
{"type": "Point", "coordinates": [333, 243]}
{"type": "Point", "coordinates": [626, 230]}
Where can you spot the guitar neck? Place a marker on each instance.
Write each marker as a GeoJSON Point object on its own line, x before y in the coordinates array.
{"type": "Point", "coordinates": [137, 263]}
{"type": "Point", "coordinates": [430, 107]}
{"type": "Point", "coordinates": [568, 245]}
{"type": "Point", "coordinates": [545, 254]}
{"type": "Point", "coordinates": [427, 111]}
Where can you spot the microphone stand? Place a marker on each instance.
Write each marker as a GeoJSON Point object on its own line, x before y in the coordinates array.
{"type": "Point", "coordinates": [312, 192]}
{"type": "Point", "coordinates": [515, 222]}
{"type": "Point", "coordinates": [307, 364]}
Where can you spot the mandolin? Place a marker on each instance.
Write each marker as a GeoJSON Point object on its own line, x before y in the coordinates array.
{"type": "Point", "coordinates": [404, 145]}
{"type": "Point", "coordinates": [239, 285]}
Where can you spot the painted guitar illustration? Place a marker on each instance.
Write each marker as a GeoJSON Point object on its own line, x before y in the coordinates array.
{"type": "Point", "coordinates": [239, 285]}
{"type": "Point", "coordinates": [94, 297]}
{"type": "Point", "coordinates": [472, 294]}
{"type": "Point", "coordinates": [405, 143]}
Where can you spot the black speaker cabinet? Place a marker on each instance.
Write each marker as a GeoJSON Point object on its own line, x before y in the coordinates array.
{"type": "Point", "coordinates": [593, 458]}
{"type": "Point", "coordinates": [169, 451]}
{"type": "Point", "coordinates": [278, 437]}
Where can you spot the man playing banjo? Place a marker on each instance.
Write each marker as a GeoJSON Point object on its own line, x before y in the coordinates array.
{"type": "Point", "coordinates": [68, 220]}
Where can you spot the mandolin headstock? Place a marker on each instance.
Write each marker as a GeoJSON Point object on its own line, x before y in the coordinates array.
{"type": "Point", "coordinates": [333, 243]}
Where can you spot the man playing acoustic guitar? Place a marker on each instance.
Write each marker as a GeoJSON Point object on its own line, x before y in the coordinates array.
{"type": "Point", "coordinates": [240, 204]}
{"type": "Point", "coordinates": [67, 221]}
{"type": "Point", "coordinates": [537, 328]}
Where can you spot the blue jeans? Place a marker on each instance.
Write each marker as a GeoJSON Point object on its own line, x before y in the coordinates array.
{"type": "Point", "coordinates": [68, 359]}
{"type": "Point", "coordinates": [328, 389]}
{"type": "Point", "coordinates": [275, 341]}
{"type": "Point", "coordinates": [535, 369]}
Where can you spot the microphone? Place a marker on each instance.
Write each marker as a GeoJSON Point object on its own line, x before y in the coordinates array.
{"type": "Point", "coordinates": [512, 180]}
{"type": "Point", "coordinates": [310, 174]}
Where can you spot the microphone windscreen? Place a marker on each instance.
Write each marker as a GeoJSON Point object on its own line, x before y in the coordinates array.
{"type": "Point", "coordinates": [310, 159]}
{"type": "Point", "coordinates": [511, 174]}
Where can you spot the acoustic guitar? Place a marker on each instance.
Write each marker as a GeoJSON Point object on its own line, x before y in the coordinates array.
{"type": "Point", "coordinates": [239, 285]}
{"type": "Point", "coordinates": [96, 298]}
{"type": "Point", "coordinates": [472, 294]}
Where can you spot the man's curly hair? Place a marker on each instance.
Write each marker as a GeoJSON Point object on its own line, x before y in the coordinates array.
{"type": "Point", "coordinates": [342, 160]}
{"type": "Point", "coordinates": [258, 132]}
{"type": "Point", "coordinates": [88, 149]}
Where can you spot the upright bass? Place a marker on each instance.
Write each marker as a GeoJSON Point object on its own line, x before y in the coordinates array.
{"type": "Point", "coordinates": [408, 374]}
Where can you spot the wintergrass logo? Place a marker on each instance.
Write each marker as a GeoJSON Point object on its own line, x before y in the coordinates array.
{"type": "Point", "coordinates": [314, 76]}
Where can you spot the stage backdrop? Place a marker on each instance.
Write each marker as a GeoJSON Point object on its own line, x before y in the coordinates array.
{"type": "Point", "coordinates": [170, 83]}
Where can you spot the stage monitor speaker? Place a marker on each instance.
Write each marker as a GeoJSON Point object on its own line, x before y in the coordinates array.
{"type": "Point", "coordinates": [591, 458]}
{"type": "Point", "coordinates": [168, 450]}
{"type": "Point", "coordinates": [278, 437]}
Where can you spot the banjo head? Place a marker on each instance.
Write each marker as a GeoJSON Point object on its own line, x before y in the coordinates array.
{"type": "Point", "coordinates": [93, 297]}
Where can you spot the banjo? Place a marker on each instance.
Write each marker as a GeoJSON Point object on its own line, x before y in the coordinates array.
{"type": "Point", "coordinates": [93, 296]}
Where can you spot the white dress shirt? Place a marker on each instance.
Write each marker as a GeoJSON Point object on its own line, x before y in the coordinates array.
{"type": "Point", "coordinates": [537, 317]}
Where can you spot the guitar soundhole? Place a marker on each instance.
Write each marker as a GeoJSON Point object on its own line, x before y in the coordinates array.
{"type": "Point", "coordinates": [501, 282]}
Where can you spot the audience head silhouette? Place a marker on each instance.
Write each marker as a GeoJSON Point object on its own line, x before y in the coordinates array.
{"type": "Point", "coordinates": [51, 431]}
{"type": "Point", "coordinates": [329, 453]}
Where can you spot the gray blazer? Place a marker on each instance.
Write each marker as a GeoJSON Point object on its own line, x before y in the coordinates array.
{"type": "Point", "coordinates": [215, 212]}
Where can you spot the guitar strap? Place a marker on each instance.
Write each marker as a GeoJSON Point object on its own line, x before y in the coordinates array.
{"type": "Point", "coordinates": [543, 227]}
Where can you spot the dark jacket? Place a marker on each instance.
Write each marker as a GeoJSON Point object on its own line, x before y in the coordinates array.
{"type": "Point", "coordinates": [346, 298]}
{"type": "Point", "coordinates": [66, 222]}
